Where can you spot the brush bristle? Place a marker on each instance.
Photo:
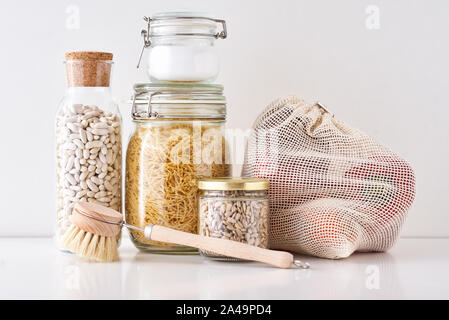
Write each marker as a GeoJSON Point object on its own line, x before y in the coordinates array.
{"type": "Point", "coordinates": [92, 246]}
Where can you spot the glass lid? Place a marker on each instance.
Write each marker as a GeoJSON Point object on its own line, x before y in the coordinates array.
{"type": "Point", "coordinates": [185, 24]}
{"type": "Point", "coordinates": [178, 100]}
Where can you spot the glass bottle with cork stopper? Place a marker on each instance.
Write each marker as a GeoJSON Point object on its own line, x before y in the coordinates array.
{"type": "Point", "coordinates": [88, 138]}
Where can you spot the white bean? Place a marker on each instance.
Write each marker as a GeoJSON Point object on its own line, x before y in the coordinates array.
{"type": "Point", "coordinates": [70, 179]}
{"type": "Point", "coordinates": [69, 164]}
{"type": "Point", "coordinates": [99, 125]}
{"type": "Point", "coordinates": [100, 132]}
{"type": "Point", "coordinates": [82, 135]}
{"type": "Point", "coordinates": [83, 175]}
{"type": "Point", "coordinates": [92, 186]}
{"type": "Point", "coordinates": [78, 143]}
{"type": "Point", "coordinates": [73, 127]}
{"type": "Point", "coordinates": [93, 144]}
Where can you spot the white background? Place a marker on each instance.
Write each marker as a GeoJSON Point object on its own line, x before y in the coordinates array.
{"type": "Point", "coordinates": [391, 82]}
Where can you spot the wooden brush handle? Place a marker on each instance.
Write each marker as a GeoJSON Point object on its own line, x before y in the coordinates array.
{"type": "Point", "coordinates": [225, 247]}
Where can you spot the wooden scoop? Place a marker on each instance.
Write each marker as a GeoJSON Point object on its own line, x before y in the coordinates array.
{"type": "Point", "coordinates": [107, 222]}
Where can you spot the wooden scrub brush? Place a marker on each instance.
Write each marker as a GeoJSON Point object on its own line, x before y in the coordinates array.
{"type": "Point", "coordinates": [95, 229]}
{"type": "Point", "coordinates": [91, 238]}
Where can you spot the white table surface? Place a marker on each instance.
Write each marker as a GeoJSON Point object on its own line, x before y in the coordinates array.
{"type": "Point", "coordinates": [32, 268]}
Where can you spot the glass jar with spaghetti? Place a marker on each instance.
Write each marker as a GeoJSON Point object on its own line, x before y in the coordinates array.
{"type": "Point", "coordinates": [178, 138]}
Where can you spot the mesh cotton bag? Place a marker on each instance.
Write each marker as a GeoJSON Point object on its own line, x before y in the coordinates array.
{"type": "Point", "coordinates": [334, 190]}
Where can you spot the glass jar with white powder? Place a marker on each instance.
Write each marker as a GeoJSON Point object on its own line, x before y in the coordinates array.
{"type": "Point", "coordinates": [182, 47]}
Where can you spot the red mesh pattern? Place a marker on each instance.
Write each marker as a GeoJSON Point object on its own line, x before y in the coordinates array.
{"type": "Point", "coordinates": [334, 190]}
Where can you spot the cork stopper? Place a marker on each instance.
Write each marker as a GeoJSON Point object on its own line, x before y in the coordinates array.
{"type": "Point", "coordinates": [88, 68]}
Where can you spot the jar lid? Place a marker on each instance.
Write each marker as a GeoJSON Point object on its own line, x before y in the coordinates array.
{"type": "Point", "coordinates": [233, 183]}
{"type": "Point", "coordinates": [178, 100]}
{"type": "Point", "coordinates": [185, 24]}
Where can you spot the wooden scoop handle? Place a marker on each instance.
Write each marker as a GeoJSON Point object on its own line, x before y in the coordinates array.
{"type": "Point", "coordinates": [225, 247]}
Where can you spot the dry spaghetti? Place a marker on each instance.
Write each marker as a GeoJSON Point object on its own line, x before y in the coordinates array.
{"type": "Point", "coordinates": [163, 165]}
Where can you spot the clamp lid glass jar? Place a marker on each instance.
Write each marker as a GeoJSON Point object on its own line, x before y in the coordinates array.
{"type": "Point", "coordinates": [234, 209]}
{"type": "Point", "coordinates": [182, 46]}
{"type": "Point", "coordinates": [178, 138]}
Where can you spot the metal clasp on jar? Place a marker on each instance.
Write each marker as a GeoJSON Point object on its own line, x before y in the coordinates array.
{"type": "Point", "coordinates": [149, 114]}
